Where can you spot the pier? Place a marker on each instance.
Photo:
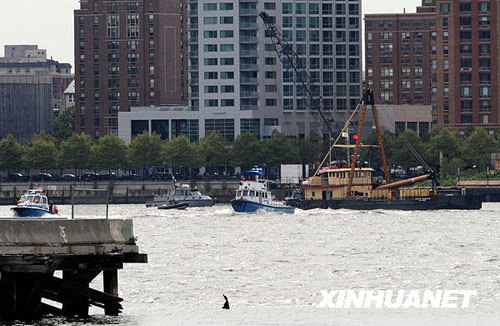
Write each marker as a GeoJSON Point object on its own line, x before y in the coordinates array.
{"type": "Point", "coordinates": [32, 250]}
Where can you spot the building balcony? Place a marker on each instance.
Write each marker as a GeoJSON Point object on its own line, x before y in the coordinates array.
{"type": "Point", "coordinates": [249, 39]}
{"type": "Point", "coordinates": [248, 80]}
{"type": "Point", "coordinates": [249, 53]}
{"type": "Point", "coordinates": [194, 81]}
{"type": "Point", "coordinates": [246, 107]}
{"type": "Point", "coordinates": [244, 25]}
{"type": "Point", "coordinates": [249, 94]}
{"type": "Point", "coordinates": [193, 12]}
{"type": "Point", "coordinates": [194, 95]}
{"type": "Point", "coordinates": [249, 11]}
{"type": "Point", "coordinates": [249, 66]}
{"type": "Point", "coordinates": [193, 40]}
{"type": "Point", "coordinates": [193, 53]}
{"type": "Point", "coordinates": [193, 26]}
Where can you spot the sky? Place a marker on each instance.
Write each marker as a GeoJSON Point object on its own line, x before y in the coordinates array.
{"type": "Point", "coordinates": [49, 23]}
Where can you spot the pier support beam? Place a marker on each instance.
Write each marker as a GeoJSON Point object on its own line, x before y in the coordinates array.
{"type": "Point", "coordinates": [20, 296]}
{"type": "Point", "coordinates": [110, 280]}
{"type": "Point", "coordinates": [82, 278]}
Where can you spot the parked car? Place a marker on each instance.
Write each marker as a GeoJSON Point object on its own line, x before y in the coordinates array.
{"type": "Point", "coordinates": [16, 177]}
{"type": "Point", "coordinates": [68, 177]}
{"type": "Point", "coordinates": [89, 177]}
{"type": "Point", "coordinates": [41, 177]}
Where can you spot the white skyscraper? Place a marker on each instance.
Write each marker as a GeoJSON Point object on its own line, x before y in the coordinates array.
{"type": "Point", "coordinates": [237, 81]}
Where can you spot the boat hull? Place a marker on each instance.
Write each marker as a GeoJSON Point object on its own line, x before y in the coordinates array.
{"type": "Point", "coordinates": [192, 203]}
{"type": "Point", "coordinates": [174, 206]}
{"type": "Point", "coordinates": [29, 211]}
{"type": "Point", "coordinates": [246, 206]}
{"type": "Point", "coordinates": [461, 202]}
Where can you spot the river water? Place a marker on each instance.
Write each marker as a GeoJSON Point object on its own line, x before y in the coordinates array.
{"type": "Point", "coordinates": [272, 266]}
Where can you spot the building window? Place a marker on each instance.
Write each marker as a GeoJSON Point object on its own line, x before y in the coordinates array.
{"type": "Point", "coordinates": [211, 103]}
{"type": "Point", "coordinates": [113, 26]}
{"type": "Point", "coordinates": [484, 7]}
{"type": "Point", "coordinates": [224, 126]}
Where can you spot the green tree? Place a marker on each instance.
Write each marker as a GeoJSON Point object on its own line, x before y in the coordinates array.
{"type": "Point", "coordinates": [75, 152]}
{"type": "Point", "coordinates": [180, 153]}
{"type": "Point", "coordinates": [145, 150]}
{"type": "Point", "coordinates": [309, 149]}
{"type": "Point", "coordinates": [403, 155]}
{"type": "Point", "coordinates": [279, 150]}
{"type": "Point", "coordinates": [110, 153]}
{"type": "Point", "coordinates": [478, 148]}
{"type": "Point", "coordinates": [372, 155]}
{"type": "Point", "coordinates": [11, 154]}
{"type": "Point", "coordinates": [40, 154]}
{"type": "Point", "coordinates": [213, 150]}
{"type": "Point", "coordinates": [445, 141]}
{"type": "Point", "coordinates": [245, 151]}
{"type": "Point", "coordinates": [64, 124]}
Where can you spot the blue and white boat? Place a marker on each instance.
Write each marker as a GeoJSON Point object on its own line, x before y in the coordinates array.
{"type": "Point", "coordinates": [253, 194]}
{"type": "Point", "coordinates": [34, 203]}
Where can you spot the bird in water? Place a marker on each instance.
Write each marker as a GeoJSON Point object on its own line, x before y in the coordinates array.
{"type": "Point", "coordinates": [226, 304]}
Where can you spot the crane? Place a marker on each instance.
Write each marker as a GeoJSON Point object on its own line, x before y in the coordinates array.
{"type": "Point", "coordinates": [289, 57]}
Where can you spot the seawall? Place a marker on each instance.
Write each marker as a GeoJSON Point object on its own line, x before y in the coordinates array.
{"type": "Point", "coordinates": [121, 192]}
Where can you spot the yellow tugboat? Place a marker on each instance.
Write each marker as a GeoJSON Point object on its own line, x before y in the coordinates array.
{"type": "Point", "coordinates": [354, 187]}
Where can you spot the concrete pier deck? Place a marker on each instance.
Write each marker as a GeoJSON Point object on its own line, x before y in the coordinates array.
{"type": "Point", "coordinates": [31, 250]}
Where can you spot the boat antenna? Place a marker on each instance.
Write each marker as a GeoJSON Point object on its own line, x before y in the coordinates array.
{"type": "Point", "coordinates": [174, 181]}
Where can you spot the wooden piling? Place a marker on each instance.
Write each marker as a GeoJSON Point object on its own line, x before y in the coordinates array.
{"type": "Point", "coordinates": [110, 280]}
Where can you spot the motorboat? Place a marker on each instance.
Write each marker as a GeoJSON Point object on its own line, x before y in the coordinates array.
{"type": "Point", "coordinates": [253, 194]}
{"type": "Point", "coordinates": [182, 194]}
{"type": "Point", "coordinates": [34, 203]}
{"type": "Point", "coordinates": [174, 205]}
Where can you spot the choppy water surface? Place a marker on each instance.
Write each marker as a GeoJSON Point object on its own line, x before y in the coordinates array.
{"type": "Point", "coordinates": [273, 266]}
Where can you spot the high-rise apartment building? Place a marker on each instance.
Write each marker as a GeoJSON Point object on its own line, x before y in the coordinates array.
{"type": "Point", "coordinates": [239, 85]}
{"type": "Point", "coordinates": [398, 57]}
{"type": "Point", "coordinates": [127, 53]}
{"type": "Point", "coordinates": [454, 43]}
{"type": "Point", "coordinates": [465, 74]}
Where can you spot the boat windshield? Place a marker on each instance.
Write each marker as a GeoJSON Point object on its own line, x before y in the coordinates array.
{"type": "Point", "coordinates": [245, 193]}
{"type": "Point", "coordinates": [238, 193]}
{"type": "Point", "coordinates": [23, 198]}
{"type": "Point", "coordinates": [252, 193]}
{"type": "Point", "coordinates": [29, 199]}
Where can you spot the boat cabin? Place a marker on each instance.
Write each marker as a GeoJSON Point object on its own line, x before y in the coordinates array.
{"type": "Point", "coordinates": [34, 198]}
{"type": "Point", "coordinates": [332, 183]}
{"type": "Point", "coordinates": [253, 194]}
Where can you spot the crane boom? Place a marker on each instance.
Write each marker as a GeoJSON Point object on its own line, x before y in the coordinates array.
{"type": "Point", "coordinates": [289, 57]}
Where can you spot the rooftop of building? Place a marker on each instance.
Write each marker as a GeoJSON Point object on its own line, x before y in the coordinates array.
{"type": "Point", "coordinates": [412, 15]}
{"type": "Point", "coordinates": [47, 63]}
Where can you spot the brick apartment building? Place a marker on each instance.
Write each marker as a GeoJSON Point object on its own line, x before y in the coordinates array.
{"type": "Point", "coordinates": [455, 44]}
{"type": "Point", "coordinates": [127, 53]}
{"type": "Point", "coordinates": [397, 57]}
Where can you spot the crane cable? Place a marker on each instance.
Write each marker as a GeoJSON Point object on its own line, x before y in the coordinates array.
{"type": "Point", "coordinates": [412, 149]}
{"type": "Point", "coordinates": [338, 138]}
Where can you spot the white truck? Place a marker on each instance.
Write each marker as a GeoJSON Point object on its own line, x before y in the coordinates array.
{"type": "Point", "coordinates": [294, 173]}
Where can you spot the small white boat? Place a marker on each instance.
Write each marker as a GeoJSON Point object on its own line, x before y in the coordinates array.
{"type": "Point", "coordinates": [182, 194]}
{"type": "Point", "coordinates": [34, 203]}
{"type": "Point", "coordinates": [253, 194]}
